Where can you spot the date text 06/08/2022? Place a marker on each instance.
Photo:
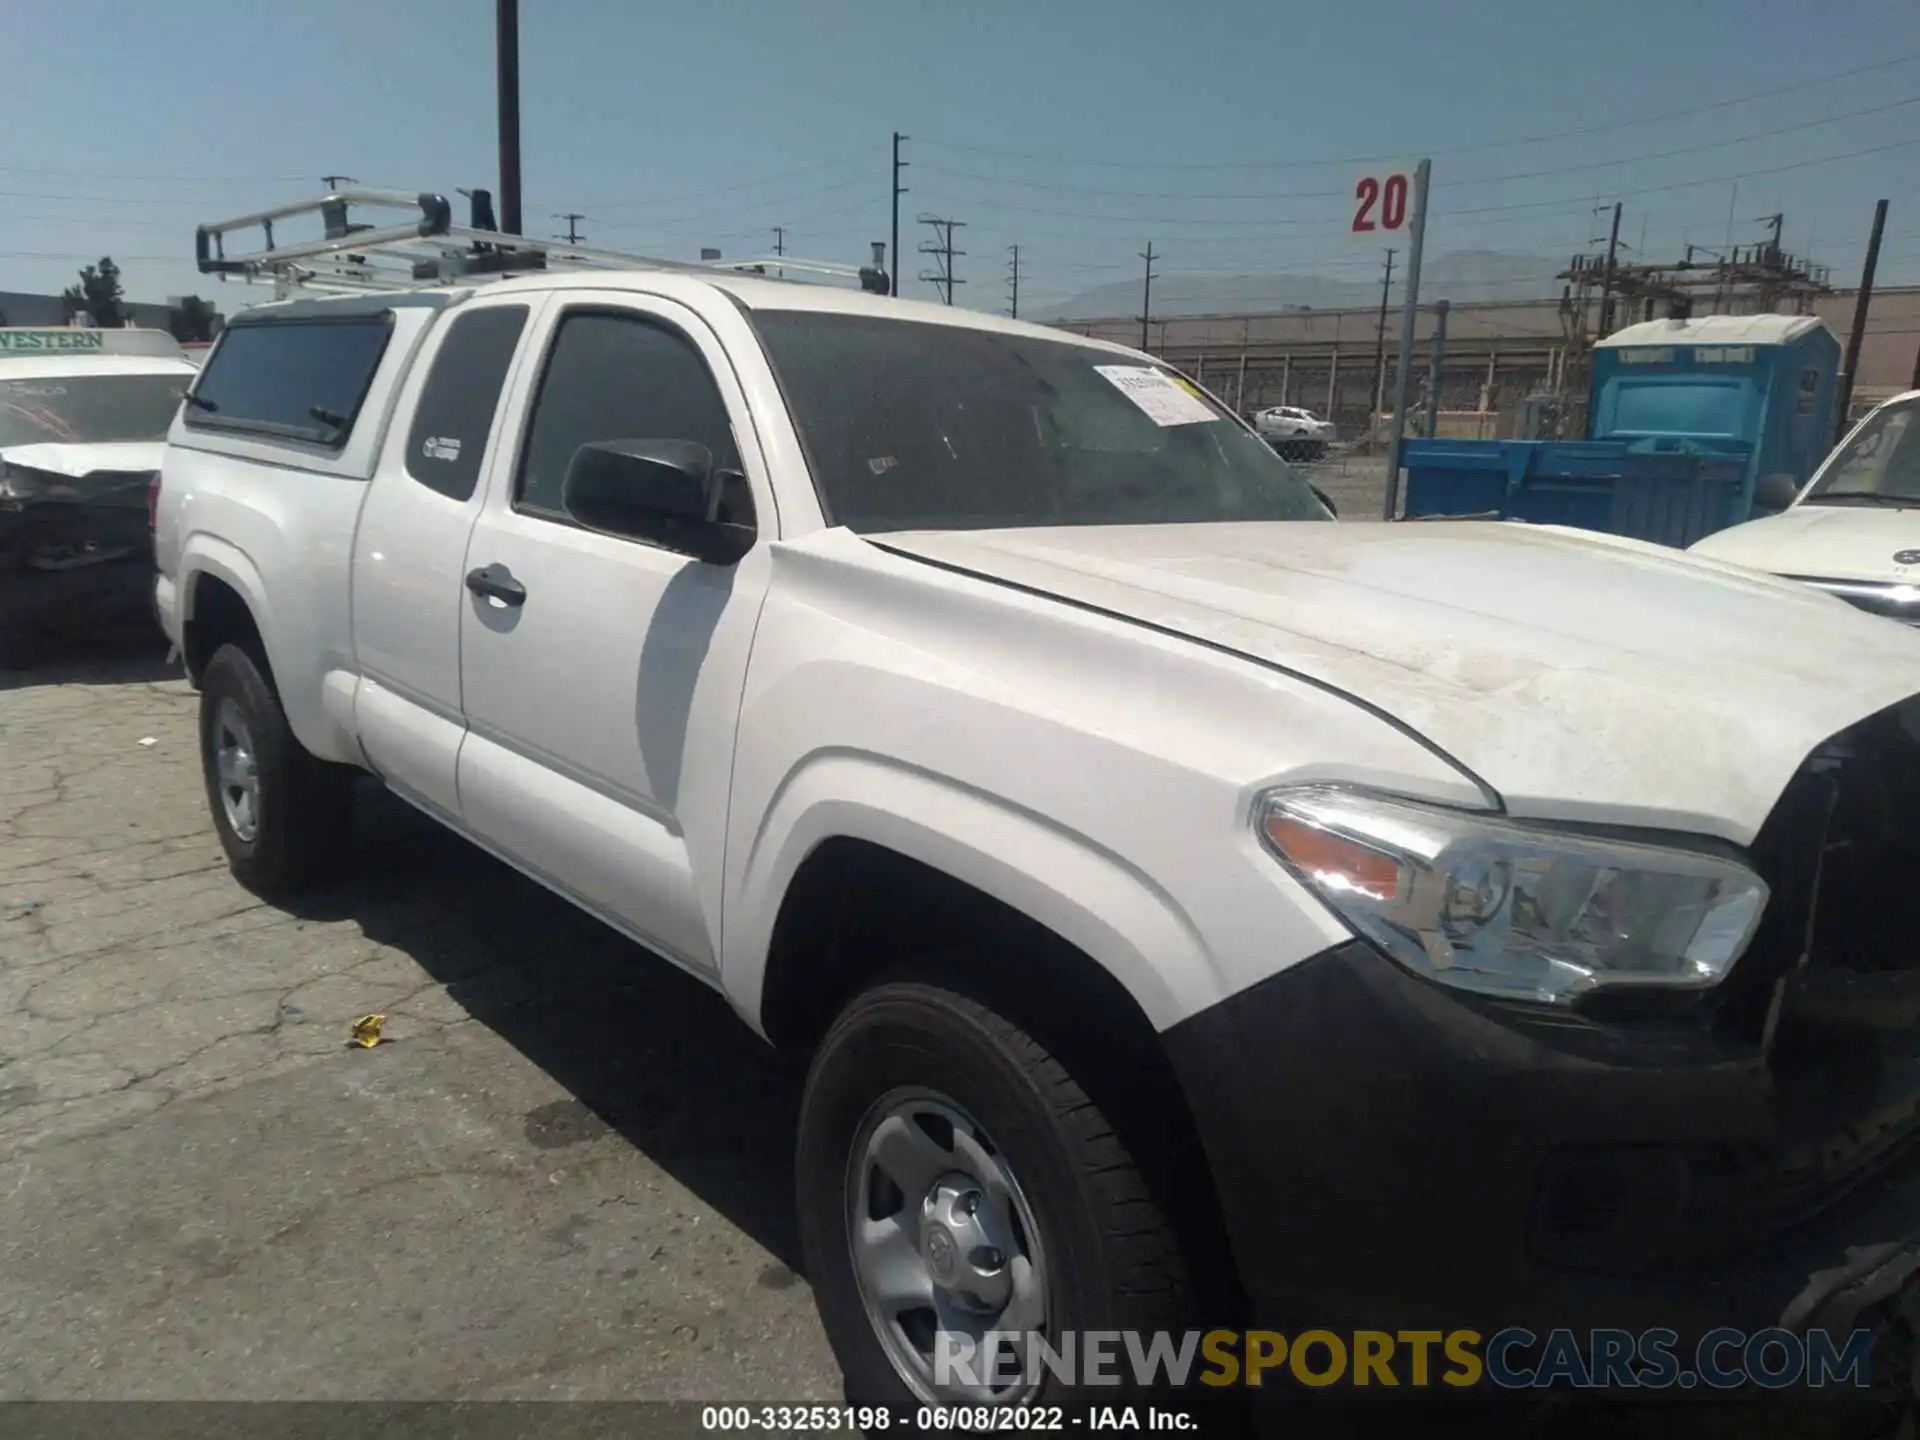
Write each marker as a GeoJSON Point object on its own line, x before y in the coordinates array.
{"type": "Point", "coordinates": [871, 1419]}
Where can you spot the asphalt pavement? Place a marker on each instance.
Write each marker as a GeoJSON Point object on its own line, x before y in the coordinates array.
{"type": "Point", "coordinates": [565, 1173]}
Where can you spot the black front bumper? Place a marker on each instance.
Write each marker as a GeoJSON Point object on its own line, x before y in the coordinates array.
{"type": "Point", "coordinates": [74, 569]}
{"type": "Point", "coordinates": [1391, 1155]}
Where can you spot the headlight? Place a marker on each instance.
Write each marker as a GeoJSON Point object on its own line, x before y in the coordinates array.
{"type": "Point", "coordinates": [1502, 909]}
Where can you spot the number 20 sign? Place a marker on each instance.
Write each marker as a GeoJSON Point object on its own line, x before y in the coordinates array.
{"type": "Point", "coordinates": [1380, 203]}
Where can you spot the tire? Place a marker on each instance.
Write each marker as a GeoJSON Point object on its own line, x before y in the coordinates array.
{"type": "Point", "coordinates": [301, 809]}
{"type": "Point", "coordinates": [1108, 1255]}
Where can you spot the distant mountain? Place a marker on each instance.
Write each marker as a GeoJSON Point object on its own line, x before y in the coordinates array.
{"type": "Point", "coordinates": [1466, 277]}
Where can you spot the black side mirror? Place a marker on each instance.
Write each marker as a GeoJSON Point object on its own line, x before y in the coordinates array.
{"type": "Point", "coordinates": [665, 492]}
{"type": "Point", "coordinates": [1774, 491]}
{"type": "Point", "coordinates": [1324, 499]}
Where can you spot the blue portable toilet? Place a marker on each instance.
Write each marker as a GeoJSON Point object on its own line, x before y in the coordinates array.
{"type": "Point", "coordinates": [1716, 385]}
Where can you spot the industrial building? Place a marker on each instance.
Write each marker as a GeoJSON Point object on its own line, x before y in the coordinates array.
{"type": "Point", "coordinates": [1497, 354]}
{"type": "Point", "coordinates": [24, 308]}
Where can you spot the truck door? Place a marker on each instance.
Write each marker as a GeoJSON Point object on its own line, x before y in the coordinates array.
{"type": "Point", "coordinates": [408, 587]}
{"type": "Point", "coordinates": [603, 676]}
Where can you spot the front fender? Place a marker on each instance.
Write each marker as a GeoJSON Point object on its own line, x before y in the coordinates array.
{"type": "Point", "coordinates": [1065, 881]}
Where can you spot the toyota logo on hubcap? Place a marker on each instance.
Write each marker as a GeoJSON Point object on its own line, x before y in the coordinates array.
{"type": "Point", "coordinates": [940, 1254]}
{"type": "Point", "coordinates": [1906, 557]}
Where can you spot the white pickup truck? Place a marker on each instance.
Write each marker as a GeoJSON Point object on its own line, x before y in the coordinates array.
{"type": "Point", "coordinates": [1198, 911]}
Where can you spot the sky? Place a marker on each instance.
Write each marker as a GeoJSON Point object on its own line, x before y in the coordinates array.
{"type": "Point", "coordinates": [1229, 134]}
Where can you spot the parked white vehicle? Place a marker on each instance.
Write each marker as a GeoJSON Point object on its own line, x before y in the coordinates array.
{"type": "Point", "coordinates": [1854, 530]}
{"type": "Point", "coordinates": [1296, 433]}
{"type": "Point", "coordinates": [1197, 912]}
{"type": "Point", "coordinates": [83, 423]}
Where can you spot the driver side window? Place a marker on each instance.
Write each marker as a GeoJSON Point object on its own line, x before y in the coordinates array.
{"type": "Point", "coordinates": [618, 376]}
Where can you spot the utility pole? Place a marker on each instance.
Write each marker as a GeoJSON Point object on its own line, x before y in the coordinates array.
{"type": "Point", "coordinates": [573, 219]}
{"type": "Point", "coordinates": [1403, 377]}
{"type": "Point", "coordinates": [1013, 282]}
{"type": "Point", "coordinates": [1380, 344]}
{"type": "Point", "coordinates": [334, 182]}
{"type": "Point", "coordinates": [898, 191]}
{"type": "Point", "coordinates": [1433, 370]}
{"type": "Point", "coordinates": [779, 239]}
{"type": "Point", "coordinates": [1606, 281]}
{"type": "Point", "coordinates": [1146, 295]}
{"type": "Point", "coordinates": [506, 14]}
{"type": "Point", "coordinates": [941, 248]}
{"type": "Point", "coordinates": [1843, 402]}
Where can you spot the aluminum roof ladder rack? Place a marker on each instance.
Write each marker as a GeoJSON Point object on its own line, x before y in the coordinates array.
{"type": "Point", "coordinates": [427, 248]}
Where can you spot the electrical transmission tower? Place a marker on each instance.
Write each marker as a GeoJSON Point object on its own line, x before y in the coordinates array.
{"type": "Point", "coordinates": [941, 248]}
{"type": "Point", "coordinates": [573, 219]}
{"type": "Point", "coordinates": [1013, 282]}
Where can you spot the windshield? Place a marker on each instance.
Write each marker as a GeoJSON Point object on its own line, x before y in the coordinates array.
{"type": "Point", "coordinates": [1882, 461]}
{"type": "Point", "coordinates": [88, 409]}
{"type": "Point", "coordinates": [914, 426]}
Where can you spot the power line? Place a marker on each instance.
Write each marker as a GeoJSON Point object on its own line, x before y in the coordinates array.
{"type": "Point", "coordinates": [1568, 203]}
{"type": "Point", "coordinates": [158, 179]}
{"type": "Point", "coordinates": [862, 157]}
{"type": "Point", "coordinates": [744, 207]}
{"type": "Point", "coordinates": [1551, 172]}
{"type": "Point", "coordinates": [114, 199]}
{"type": "Point", "coordinates": [1608, 127]}
{"type": "Point", "coordinates": [1709, 180]}
{"type": "Point", "coordinates": [1772, 92]}
{"type": "Point", "coordinates": [91, 255]}
{"type": "Point", "coordinates": [174, 225]}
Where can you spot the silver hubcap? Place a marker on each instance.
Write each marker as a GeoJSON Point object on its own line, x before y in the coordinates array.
{"type": "Point", "coordinates": [946, 1252]}
{"type": "Point", "coordinates": [237, 771]}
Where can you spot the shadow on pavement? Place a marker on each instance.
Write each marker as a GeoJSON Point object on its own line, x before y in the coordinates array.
{"type": "Point", "coordinates": [136, 656]}
{"type": "Point", "coordinates": [664, 1062]}
{"type": "Point", "coordinates": [651, 1051]}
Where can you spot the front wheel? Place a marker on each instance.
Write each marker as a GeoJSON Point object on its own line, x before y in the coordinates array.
{"type": "Point", "coordinates": [281, 813]}
{"type": "Point", "coordinates": [964, 1204]}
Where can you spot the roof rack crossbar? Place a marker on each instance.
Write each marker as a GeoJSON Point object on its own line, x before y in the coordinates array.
{"type": "Point", "coordinates": [430, 249]}
{"type": "Point", "coordinates": [210, 250]}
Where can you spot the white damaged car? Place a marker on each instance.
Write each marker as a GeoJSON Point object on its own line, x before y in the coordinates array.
{"type": "Point", "coordinates": [1854, 531]}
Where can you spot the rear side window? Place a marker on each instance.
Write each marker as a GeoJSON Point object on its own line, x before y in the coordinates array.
{"type": "Point", "coordinates": [299, 379]}
{"type": "Point", "coordinates": [450, 427]}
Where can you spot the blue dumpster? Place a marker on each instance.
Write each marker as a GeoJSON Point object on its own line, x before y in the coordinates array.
{"type": "Point", "coordinates": [1668, 491]}
{"type": "Point", "coordinates": [1686, 416]}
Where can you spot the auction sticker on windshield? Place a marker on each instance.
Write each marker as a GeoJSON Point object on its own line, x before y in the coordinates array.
{"type": "Point", "coordinates": [1159, 398]}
